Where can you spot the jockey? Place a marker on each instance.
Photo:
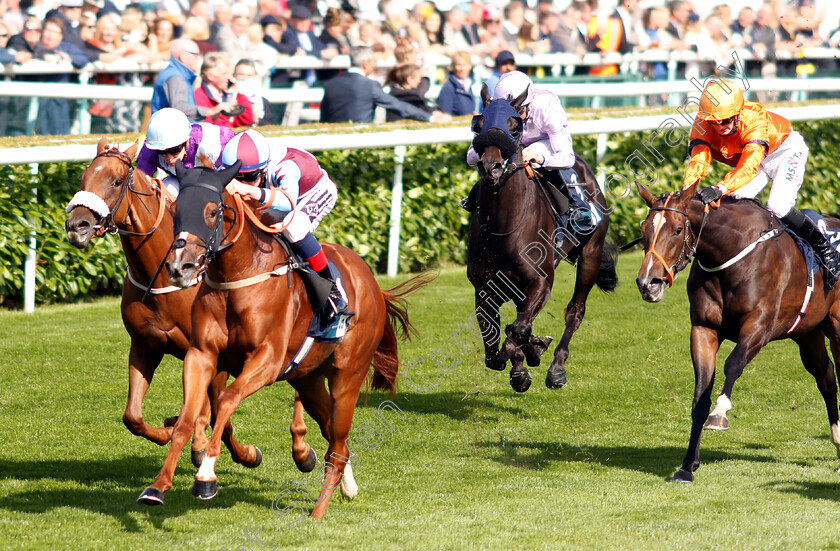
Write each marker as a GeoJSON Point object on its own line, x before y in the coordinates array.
{"type": "Point", "coordinates": [546, 141]}
{"type": "Point", "coordinates": [311, 196]}
{"type": "Point", "coordinates": [170, 137]}
{"type": "Point", "coordinates": [760, 146]}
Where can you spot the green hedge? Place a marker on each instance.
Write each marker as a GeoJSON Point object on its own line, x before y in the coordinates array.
{"type": "Point", "coordinates": [433, 228]}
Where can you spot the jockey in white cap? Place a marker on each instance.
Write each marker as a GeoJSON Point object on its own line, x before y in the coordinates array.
{"type": "Point", "coordinates": [545, 138]}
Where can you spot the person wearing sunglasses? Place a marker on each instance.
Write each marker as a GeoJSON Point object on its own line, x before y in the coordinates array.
{"type": "Point", "coordinates": [309, 196]}
{"type": "Point", "coordinates": [174, 85]}
{"type": "Point", "coordinates": [170, 137]}
{"type": "Point", "coordinates": [760, 146]}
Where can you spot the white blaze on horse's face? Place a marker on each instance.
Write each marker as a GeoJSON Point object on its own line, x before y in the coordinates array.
{"type": "Point", "coordinates": [179, 252]}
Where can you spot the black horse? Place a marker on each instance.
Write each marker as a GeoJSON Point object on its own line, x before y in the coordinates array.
{"type": "Point", "coordinates": [513, 248]}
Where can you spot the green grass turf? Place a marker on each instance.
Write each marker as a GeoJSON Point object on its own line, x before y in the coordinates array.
{"type": "Point", "coordinates": [472, 465]}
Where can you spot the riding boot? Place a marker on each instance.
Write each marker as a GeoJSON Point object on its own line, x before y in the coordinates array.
{"type": "Point", "coordinates": [336, 304]}
{"type": "Point", "coordinates": [805, 228]}
{"type": "Point", "coordinates": [579, 217]}
{"type": "Point", "coordinates": [470, 201]}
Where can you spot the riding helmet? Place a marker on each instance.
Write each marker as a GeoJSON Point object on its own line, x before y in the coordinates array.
{"type": "Point", "coordinates": [512, 85]}
{"type": "Point", "coordinates": [168, 128]}
{"type": "Point", "coordinates": [250, 147]}
{"type": "Point", "coordinates": [720, 100]}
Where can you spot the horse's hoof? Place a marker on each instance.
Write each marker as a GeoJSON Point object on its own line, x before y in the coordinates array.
{"type": "Point", "coordinates": [495, 365]}
{"type": "Point", "coordinates": [197, 456]}
{"type": "Point", "coordinates": [257, 460]}
{"type": "Point", "coordinates": [151, 496]}
{"type": "Point", "coordinates": [555, 378]}
{"type": "Point", "coordinates": [682, 476]}
{"type": "Point", "coordinates": [204, 489]}
{"type": "Point", "coordinates": [520, 381]}
{"type": "Point", "coordinates": [717, 422]}
{"type": "Point", "coordinates": [170, 421]}
{"type": "Point", "coordinates": [308, 464]}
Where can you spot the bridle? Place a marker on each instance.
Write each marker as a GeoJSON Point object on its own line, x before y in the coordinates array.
{"type": "Point", "coordinates": [107, 223]}
{"type": "Point", "coordinates": [689, 245]}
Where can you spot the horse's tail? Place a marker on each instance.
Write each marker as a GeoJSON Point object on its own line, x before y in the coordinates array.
{"type": "Point", "coordinates": [607, 279]}
{"type": "Point", "coordinates": [397, 327]}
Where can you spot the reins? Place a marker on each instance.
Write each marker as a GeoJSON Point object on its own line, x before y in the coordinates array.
{"type": "Point", "coordinates": [685, 257]}
{"type": "Point", "coordinates": [510, 169]}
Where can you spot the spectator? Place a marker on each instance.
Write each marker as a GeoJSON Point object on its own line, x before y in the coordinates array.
{"type": "Point", "coordinates": [69, 12]}
{"type": "Point", "coordinates": [14, 16]}
{"type": "Point", "coordinates": [409, 85]}
{"type": "Point", "coordinates": [352, 96]}
{"type": "Point", "coordinates": [604, 35]}
{"type": "Point", "coordinates": [100, 7]}
{"type": "Point", "coordinates": [234, 38]}
{"type": "Point", "coordinates": [628, 13]}
{"type": "Point", "coordinates": [87, 30]}
{"type": "Point", "coordinates": [174, 10]}
{"type": "Point", "coordinates": [807, 23]}
{"type": "Point", "coordinates": [132, 24]}
{"type": "Point", "coordinates": [264, 56]}
{"type": "Point", "coordinates": [514, 18]}
{"type": "Point", "coordinates": [8, 104]}
{"type": "Point", "coordinates": [249, 84]}
{"type": "Point", "coordinates": [273, 29]}
{"type": "Point", "coordinates": [741, 26]}
{"type": "Point", "coordinates": [217, 87]}
{"type": "Point", "coordinates": [300, 35]}
{"type": "Point", "coordinates": [761, 39]}
{"type": "Point", "coordinates": [568, 32]}
{"type": "Point", "coordinates": [334, 35]}
{"type": "Point", "coordinates": [161, 37]}
{"type": "Point", "coordinates": [654, 36]}
{"type": "Point", "coordinates": [529, 41]}
{"type": "Point", "coordinates": [549, 23]}
{"type": "Point", "coordinates": [197, 29]}
{"type": "Point", "coordinates": [174, 84]}
{"type": "Point", "coordinates": [491, 34]}
{"type": "Point", "coordinates": [456, 96]}
{"type": "Point", "coordinates": [222, 18]}
{"type": "Point", "coordinates": [505, 63]}
{"type": "Point", "coordinates": [680, 11]}
{"type": "Point", "coordinates": [54, 113]}
{"type": "Point", "coordinates": [459, 32]}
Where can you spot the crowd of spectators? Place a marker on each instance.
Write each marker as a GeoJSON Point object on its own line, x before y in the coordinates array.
{"type": "Point", "coordinates": [476, 36]}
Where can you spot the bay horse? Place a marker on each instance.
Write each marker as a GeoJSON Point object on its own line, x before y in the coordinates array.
{"type": "Point", "coordinates": [512, 251]}
{"type": "Point", "coordinates": [114, 197]}
{"type": "Point", "coordinates": [252, 325]}
{"type": "Point", "coordinates": [748, 284]}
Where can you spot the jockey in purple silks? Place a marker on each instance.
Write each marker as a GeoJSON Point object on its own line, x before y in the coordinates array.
{"type": "Point", "coordinates": [170, 138]}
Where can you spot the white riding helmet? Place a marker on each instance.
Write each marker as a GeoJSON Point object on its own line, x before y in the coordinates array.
{"type": "Point", "coordinates": [167, 128]}
{"type": "Point", "coordinates": [250, 147]}
{"type": "Point", "coordinates": [512, 85]}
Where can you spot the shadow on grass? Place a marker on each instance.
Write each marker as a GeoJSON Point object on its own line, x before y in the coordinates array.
{"type": "Point", "coordinates": [454, 405]}
{"type": "Point", "coordinates": [810, 490]}
{"type": "Point", "coordinates": [110, 488]}
{"type": "Point", "coordinates": [660, 461]}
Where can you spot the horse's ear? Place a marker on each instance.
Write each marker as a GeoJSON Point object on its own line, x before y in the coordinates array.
{"type": "Point", "coordinates": [132, 151]}
{"type": "Point", "coordinates": [229, 173]}
{"type": "Point", "coordinates": [103, 143]}
{"type": "Point", "coordinates": [485, 95]}
{"type": "Point", "coordinates": [517, 103]}
{"type": "Point", "coordinates": [688, 193]}
{"type": "Point", "coordinates": [180, 171]}
{"type": "Point", "coordinates": [646, 194]}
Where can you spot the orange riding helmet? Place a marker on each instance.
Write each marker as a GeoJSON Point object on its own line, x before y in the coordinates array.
{"type": "Point", "coordinates": [720, 100]}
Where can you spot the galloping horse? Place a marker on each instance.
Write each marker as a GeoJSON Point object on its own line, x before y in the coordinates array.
{"type": "Point", "coordinates": [114, 197]}
{"type": "Point", "coordinates": [749, 284]}
{"type": "Point", "coordinates": [253, 326]}
{"type": "Point", "coordinates": [513, 221]}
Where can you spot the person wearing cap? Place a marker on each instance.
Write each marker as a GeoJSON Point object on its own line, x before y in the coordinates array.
{"type": "Point", "coordinates": [69, 12]}
{"type": "Point", "coordinates": [308, 195]}
{"type": "Point", "coordinates": [352, 96]}
{"type": "Point", "coordinates": [456, 96]}
{"type": "Point", "coordinates": [505, 63]}
{"type": "Point", "coordinates": [170, 138]}
{"type": "Point", "coordinates": [174, 84]}
{"type": "Point", "coordinates": [760, 146]}
{"type": "Point", "coordinates": [300, 35]}
{"type": "Point", "coordinates": [547, 145]}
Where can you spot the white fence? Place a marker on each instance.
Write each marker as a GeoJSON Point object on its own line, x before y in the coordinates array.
{"type": "Point", "coordinates": [397, 139]}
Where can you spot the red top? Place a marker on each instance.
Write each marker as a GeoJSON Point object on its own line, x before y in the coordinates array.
{"type": "Point", "coordinates": [202, 99]}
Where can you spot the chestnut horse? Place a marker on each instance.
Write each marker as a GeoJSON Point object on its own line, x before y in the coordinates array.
{"type": "Point", "coordinates": [749, 285]}
{"type": "Point", "coordinates": [512, 253]}
{"type": "Point", "coordinates": [251, 325]}
{"type": "Point", "coordinates": [114, 197]}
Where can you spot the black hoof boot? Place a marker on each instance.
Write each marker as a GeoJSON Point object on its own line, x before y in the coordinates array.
{"type": "Point", "coordinates": [151, 496]}
{"type": "Point", "coordinates": [520, 381]}
{"type": "Point", "coordinates": [197, 456]}
{"type": "Point", "coordinates": [682, 476]}
{"type": "Point", "coordinates": [308, 464]}
{"type": "Point", "coordinates": [204, 489]}
{"type": "Point", "coordinates": [556, 378]}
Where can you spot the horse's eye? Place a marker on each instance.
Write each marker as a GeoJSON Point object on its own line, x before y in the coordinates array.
{"type": "Point", "coordinates": [678, 231]}
{"type": "Point", "coordinates": [118, 182]}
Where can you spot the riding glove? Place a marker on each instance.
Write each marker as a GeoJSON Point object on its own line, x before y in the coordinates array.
{"type": "Point", "coordinates": [709, 194]}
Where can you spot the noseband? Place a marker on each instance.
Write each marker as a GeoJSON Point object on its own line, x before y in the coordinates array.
{"type": "Point", "coordinates": [688, 249]}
